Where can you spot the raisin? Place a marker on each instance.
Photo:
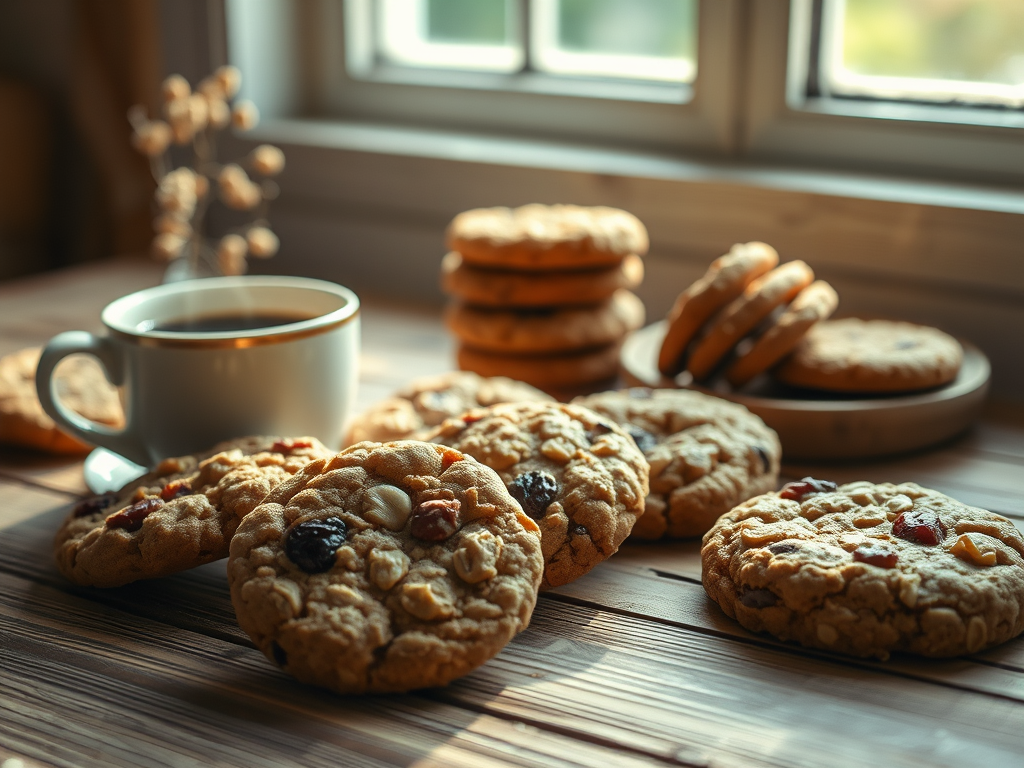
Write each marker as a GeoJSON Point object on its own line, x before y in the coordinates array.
{"type": "Point", "coordinates": [435, 519]}
{"type": "Point", "coordinates": [644, 440]}
{"type": "Point", "coordinates": [874, 555]}
{"type": "Point", "coordinates": [762, 454]}
{"type": "Point", "coordinates": [783, 547]}
{"type": "Point", "coordinates": [313, 544]}
{"type": "Point", "coordinates": [130, 518]}
{"type": "Point", "coordinates": [919, 526]}
{"type": "Point", "coordinates": [279, 654]}
{"type": "Point", "coordinates": [534, 491]}
{"type": "Point", "coordinates": [287, 446]}
{"type": "Point", "coordinates": [93, 505]}
{"type": "Point", "coordinates": [175, 490]}
{"type": "Point", "coordinates": [640, 393]}
{"type": "Point", "coordinates": [580, 530]}
{"type": "Point", "coordinates": [759, 598]}
{"type": "Point", "coordinates": [807, 486]}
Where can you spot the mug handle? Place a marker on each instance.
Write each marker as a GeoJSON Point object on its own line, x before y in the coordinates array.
{"type": "Point", "coordinates": [122, 442]}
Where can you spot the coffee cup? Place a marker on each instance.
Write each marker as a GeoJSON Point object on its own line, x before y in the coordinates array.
{"type": "Point", "coordinates": [201, 361]}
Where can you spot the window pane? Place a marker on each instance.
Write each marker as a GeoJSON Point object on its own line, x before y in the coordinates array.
{"type": "Point", "coordinates": [647, 39]}
{"type": "Point", "coordinates": [936, 50]}
{"type": "Point", "coordinates": [449, 34]}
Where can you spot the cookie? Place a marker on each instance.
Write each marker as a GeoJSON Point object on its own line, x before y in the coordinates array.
{"type": "Point", "coordinates": [546, 237]}
{"type": "Point", "coordinates": [579, 475]}
{"type": "Point", "coordinates": [743, 315]}
{"type": "Point", "coordinates": [426, 402]}
{"type": "Point", "coordinates": [388, 567]}
{"type": "Point", "coordinates": [546, 330]}
{"type": "Point", "coordinates": [706, 455]}
{"type": "Point", "coordinates": [180, 515]}
{"type": "Point", "coordinates": [724, 281]}
{"type": "Point", "coordinates": [813, 304]}
{"type": "Point", "coordinates": [81, 386]}
{"type": "Point", "coordinates": [505, 289]}
{"type": "Point", "coordinates": [853, 355]}
{"type": "Point", "coordinates": [551, 373]}
{"type": "Point", "coordinates": [868, 569]}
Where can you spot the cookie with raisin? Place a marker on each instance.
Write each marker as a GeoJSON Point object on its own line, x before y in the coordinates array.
{"type": "Point", "coordinates": [868, 570]}
{"type": "Point", "coordinates": [578, 474]}
{"type": "Point", "coordinates": [180, 515]}
{"type": "Point", "coordinates": [388, 567]}
{"type": "Point", "coordinates": [424, 403]}
{"type": "Point", "coordinates": [706, 455]}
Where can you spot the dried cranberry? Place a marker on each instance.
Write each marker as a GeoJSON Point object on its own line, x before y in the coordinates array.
{"type": "Point", "coordinates": [875, 555]}
{"type": "Point", "coordinates": [783, 547]}
{"type": "Point", "coordinates": [762, 454]}
{"type": "Point", "coordinates": [919, 526]}
{"type": "Point", "coordinates": [93, 505]}
{"type": "Point", "coordinates": [176, 489]}
{"type": "Point", "coordinates": [759, 598]}
{"type": "Point", "coordinates": [435, 519]}
{"type": "Point", "coordinates": [807, 486]}
{"type": "Point", "coordinates": [449, 457]}
{"type": "Point", "coordinates": [471, 418]}
{"type": "Point", "coordinates": [130, 518]}
{"type": "Point", "coordinates": [534, 491]}
{"type": "Point", "coordinates": [287, 446]}
{"type": "Point", "coordinates": [313, 544]}
{"type": "Point", "coordinates": [644, 440]}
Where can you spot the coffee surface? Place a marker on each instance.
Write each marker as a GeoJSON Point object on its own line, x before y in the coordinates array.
{"type": "Point", "coordinates": [231, 322]}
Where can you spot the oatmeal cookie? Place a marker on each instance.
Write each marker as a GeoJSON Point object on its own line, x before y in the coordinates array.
{"type": "Point", "coordinates": [538, 331]}
{"type": "Point", "coordinates": [579, 475]}
{"type": "Point", "coordinates": [706, 455]}
{"type": "Point", "coordinates": [388, 567]}
{"type": "Point", "coordinates": [552, 373]}
{"type": "Point", "coordinates": [517, 289]}
{"type": "Point", "coordinates": [546, 237]}
{"type": "Point", "coordinates": [81, 386]}
{"type": "Point", "coordinates": [813, 304]}
{"type": "Point", "coordinates": [868, 569]}
{"type": "Point", "coordinates": [424, 403]}
{"type": "Point", "coordinates": [853, 355]}
{"type": "Point", "coordinates": [180, 515]}
{"type": "Point", "coordinates": [724, 281]}
{"type": "Point", "coordinates": [743, 315]}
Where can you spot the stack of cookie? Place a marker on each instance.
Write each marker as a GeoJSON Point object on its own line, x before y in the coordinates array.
{"type": "Point", "coordinates": [743, 297]}
{"type": "Point", "coordinates": [542, 293]}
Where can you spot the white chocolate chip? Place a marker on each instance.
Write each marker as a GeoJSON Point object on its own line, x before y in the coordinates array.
{"type": "Point", "coordinates": [387, 567]}
{"type": "Point", "coordinates": [348, 558]}
{"type": "Point", "coordinates": [558, 450]}
{"type": "Point", "coordinates": [387, 506]}
{"type": "Point", "coordinates": [898, 504]}
{"type": "Point", "coordinates": [339, 594]}
{"type": "Point", "coordinates": [425, 603]}
{"type": "Point", "coordinates": [977, 633]}
{"type": "Point", "coordinates": [975, 548]}
{"type": "Point", "coordinates": [910, 584]}
{"type": "Point", "coordinates": [476, 557]}
{"type": "Point", "coordinates": [869, 518]}
{"type": "Point", "coordinates": [827, 634]}
{"type": "Point", "coordinates": [605, 447]}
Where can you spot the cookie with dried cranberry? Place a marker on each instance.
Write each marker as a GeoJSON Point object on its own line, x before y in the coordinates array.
{"type": "Point", "coordinates": [706, 455]}
{"type": "Point", "coordinates": [180, 515]}
{"type": "Point", "coordinates": [424, 403]}
{"type": "Point", "coordinates": [868, 570]}
{"type": "Point", "coordinates": [578, 474]}
{"type": "Point", "coordinates": [388, 567]}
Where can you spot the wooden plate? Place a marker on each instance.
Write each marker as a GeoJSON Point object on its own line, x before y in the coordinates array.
{"type": "Point", "coordinates": [817, 425]}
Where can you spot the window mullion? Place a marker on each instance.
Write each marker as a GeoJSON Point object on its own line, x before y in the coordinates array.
{"type": "Point", "coordinates": [524, 14]}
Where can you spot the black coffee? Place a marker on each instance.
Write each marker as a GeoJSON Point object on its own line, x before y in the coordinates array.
{"type": "Point", "coordinates": [227, 323]}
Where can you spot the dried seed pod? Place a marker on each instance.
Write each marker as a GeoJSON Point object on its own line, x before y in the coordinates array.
{"type": "Point", "coordinates": [230, 78]}
{"type": "Point", "coordinates": [152, 138]}
{"type": "Point", "coordinates": [267, 160]}
{"type": "Point", "coordinates": [176, 192]}
{"type": "Point", "coordinates": [175, 87]}
{"type": "Point", "coordinates": [198, 112]}
{"type": "Point", "coordinates": [180, 118]}
{"type": "Point", "coordinates": [168, 246]}
{"type": "Point", "coordinates": [244, 115]}
{"type": "Point", "coordinates": [237, 190]}
{"type": "Point", "coordinates": [262, 242]}
{"type": "Point", "coordinates": [232, 247]}
{"type": "Point", "coordinates": [202, 185]}
{"type": "Point", "coordinates": [211, 88]}
{"type": "Point", "coordinates": [168, 223]}
{"type": "Point", "coordinates": [220, 112]}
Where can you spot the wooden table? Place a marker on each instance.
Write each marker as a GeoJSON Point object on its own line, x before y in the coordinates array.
{"type": "Point", "coordinates": [632, 665]}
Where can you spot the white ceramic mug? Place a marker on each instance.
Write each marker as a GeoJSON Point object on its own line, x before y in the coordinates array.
{"type": "Point", "coordinates": [185, 390]}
